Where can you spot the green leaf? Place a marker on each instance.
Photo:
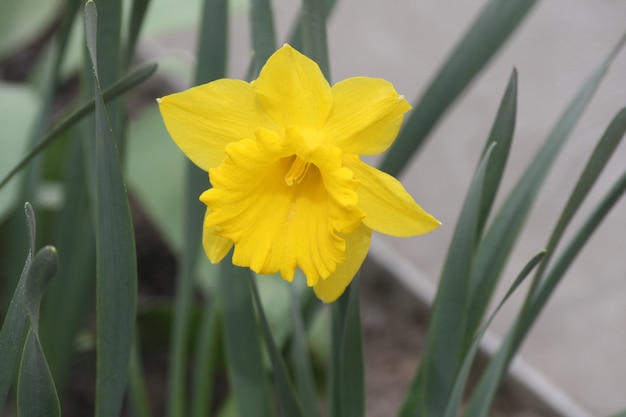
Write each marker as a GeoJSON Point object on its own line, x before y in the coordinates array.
{"type": "Point", "coordinates": [313, 27]}
{"type": "Point", "coordinates": [496, 245]}
{"type": "Point", "coordinates": [13, 329]}
{"type": "Point", "coordinates": [206, 360]}
{"type": "Point", "coordinates": [287, 399]}
{"type": "Point", "coordinates": [301, 359]}
{"type": "Point", "coordinates": [456, 396]}
{"type": "Point", "coordinates": [517, 205]}
{"type": "Point", "coordinates": [70, 295]}
{"type": "Point", "coordinates": [481, 399]}
{"type": "Point", "coordinates": [115, 253]}
{"type": "Point", "coordinates": [43, 268]}
{"type": "Point", "coordinates": [137, 16]}
{"type": "Point", "coordinates": [351, 364]}
{"type": "Point", "coordinates": [263, 37]}
{"type": "Point", "coordinates": [132, 79]}
{"type": "Point", "coordinates": [487, 34]}
{"type": "Point", "coordinates": [244, 361]}
{"type": "Point", "coordinates": [603, 151]}
{"type": "Point", "coordinates": [211, 65]}
{"type": "Point", "coordinates": [502, 134]}
{"type": "Point", "coordinates": [36, 393]}
{"type": "Point", "coordinates": [138, 398]}
{"type": "Point", "coordinates": [443, 352]}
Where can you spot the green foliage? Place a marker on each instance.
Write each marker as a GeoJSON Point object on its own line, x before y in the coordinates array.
{"type": "Point", "coordinates": [268, 337]}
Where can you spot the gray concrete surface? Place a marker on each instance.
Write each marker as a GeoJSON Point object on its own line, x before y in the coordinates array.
{"type": "Point", "coordinates": [579, 342]}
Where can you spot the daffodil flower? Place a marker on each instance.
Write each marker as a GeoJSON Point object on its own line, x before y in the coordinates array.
{"type": "Point", "coordinates": [288, 187]}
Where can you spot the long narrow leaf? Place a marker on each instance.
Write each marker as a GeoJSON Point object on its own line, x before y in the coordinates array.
{"type": "Point", "coordinates": [263, 35]}
{"type": "Point", "coordinates": [301, 360]}
{"type": "Point", "coordinates": [211, 65]}
{"type": "Point", "coordinates": [603, 151]}
{"type": "Point", "coordinates": [496, 245]}
{"type": "Point", "coordinates": [36, 393]}
{"type": "Point", "coordinates": [206, 360]}
{"type": "Point", "coordinates": [502, 134]}
{"type": "Point", "coordinates": [244, 361]}
{"type": "Point", "coordinates": [115, 251]}
{"type": "Point", "coordinates": [13, 329]}
{"type": "Point", "coordinates": [443, 352]}
{"type": "Point", "coordinates": [313, 27]}
{"type": "Point", "coordinates": [456, 397]}
{"type": "Point", "coordinates": [70, 295]}
{"type": "Point", "coordinates": [489, 31]}
{"type": "Point", "coordinates": [287, 399]}
{"type": "Point", "coordinates": [351, 364]}
{"type": "Point", "coordinates": [482, 398]}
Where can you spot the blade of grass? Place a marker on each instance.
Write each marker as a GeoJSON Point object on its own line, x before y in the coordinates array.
{"type": "Point", "coordinates": [502, 134]}
{"type": "Point", "coordinates": [456, 396]}
{"type": "Point", "coordinates": [338, 313]}
{"type": "Point", "coordinates": [137, 15]}
{"type": "Point", "coordinates": [116, 279]}
{"type": "Point", "coordinates": [132, 79]}
{"type": "Point", "coordinates": [351, 363]}
{"type": "Point", "coordinates": [211, 54]}
{"type": "Point", "coordinates": [301, 359]}
{"type": "Point", "coordinates": [487, 34]}
{"type": "Point", "coordinates": [242, 344]}
{"type": "Point", "coordinates": [36, 392]}
{"type": "Point", "coordinates": [287, 399]}
{"type": "Point", "coordinates": [603, 151]}
{"type": "Point", "coordinates": [482, 398]}
{"type": "Point", "coordinates": [443, 352]}
{"type": "Point", "coordinates": [495, 247]}
{"type": "Point", "coordinates": [207, 356]}
{"type": "Point", "coordinates": [263, 36]}
{"type": "Point", "coordinates": [70, 295]}
{"type": "Point", "coordinates": [13, 332]}
{"type": "Point", "coordinates": [138, 399]}
{"type": "Point", "coordinates": [295, 37]}
{"type": "Point", "coordinates": [313, 27]}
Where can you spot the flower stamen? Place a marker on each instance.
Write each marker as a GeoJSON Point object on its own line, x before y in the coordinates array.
{"type": "Point", "coordinates": [297, 171]}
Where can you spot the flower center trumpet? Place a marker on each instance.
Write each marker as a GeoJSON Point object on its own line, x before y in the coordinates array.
{"type": "Point", "coordinates": [289, 189]}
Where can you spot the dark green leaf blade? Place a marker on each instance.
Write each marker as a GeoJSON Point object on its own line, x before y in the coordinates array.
{"type": "Point", "coordinates": [13, 329]}
{"type": "Point", "coordinates": [351, 363]}
{"type": "Point", "coordinates": [36, 393]}
{"type": "Point", "coordinates": [242, 343]}
{"type": "Point", "coordinates": [313, 27]}
{"type": "Point", "coordinates": [115, 254]}
{"type": "Point", "coordinates": [456, 397]}
{"type": "Point", "coordinates": [489, 31]}
{"type": "Point", "coordinates": [212, 47]}
{"type": "Point", "coordinates": [287, 399]}
{"type": "Point", "coordinates": [43, 268]}
{"type": "Point", "coordinates": [263, 34]}
{"type": "Point", "coordinates": [496, 245]}
{"type": "Point", "coordinates": [443, 352]}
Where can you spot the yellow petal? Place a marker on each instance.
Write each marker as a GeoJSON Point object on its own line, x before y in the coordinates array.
{"type": "Point", "coordinates": [388, 207]}
{"type": "Point", "coordinates": [357, 246]}
{"type": "Point", "coordinates": [366, 115]}
{"type": "Point", "coordinates": [277, 227]}
{"type": "Point", "coordinates": [204, 119]}
{"type": "Point", "coordinates": [215, 246]}
{"type": "Point", "coordinates": [293, 89]}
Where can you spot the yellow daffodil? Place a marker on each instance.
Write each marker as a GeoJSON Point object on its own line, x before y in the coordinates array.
{"type": "Point", "coordinates": [288, 187]}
